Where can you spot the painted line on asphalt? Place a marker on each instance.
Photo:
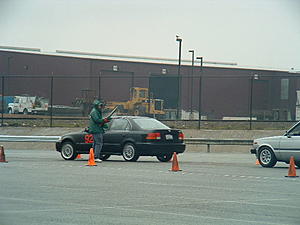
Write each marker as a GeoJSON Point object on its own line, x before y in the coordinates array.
{"type": "Point", "coordinates": [138, 210]}
{"type": "Point", "coordinates": [198, 216]}
{"type": "Point", "coordinates": [210, 187]}
{"type": "Point", "coordinates": [130, 208]}
{"type": "Point", "coordinates": [184, 172]}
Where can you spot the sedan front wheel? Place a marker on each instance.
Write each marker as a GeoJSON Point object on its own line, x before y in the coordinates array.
{"type": "Point", "coordinates": [266, 157]}
{"type": "Point", "coordinates": [68, 151]}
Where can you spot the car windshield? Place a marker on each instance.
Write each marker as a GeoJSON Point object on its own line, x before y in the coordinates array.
{"type": "Point", "coordinates": [150, 124]}
{"type": "Point", "coordinates": [294, 131]}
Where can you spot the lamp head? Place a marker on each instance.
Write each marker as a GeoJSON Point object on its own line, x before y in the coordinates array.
{"type": "Point", "coordinates": [178, 38]}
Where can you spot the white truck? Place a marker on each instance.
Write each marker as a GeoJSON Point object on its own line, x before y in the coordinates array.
{"type": "Point", "coordinates": [28, 105]}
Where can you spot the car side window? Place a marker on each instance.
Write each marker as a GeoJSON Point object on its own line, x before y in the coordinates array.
{"type": "Point", "coordinates": [120, 124]}
{"type": "Point", "coordinates": [295, 131]}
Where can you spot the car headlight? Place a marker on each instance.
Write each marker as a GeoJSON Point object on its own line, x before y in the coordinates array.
{"type": "Point", "coordinates": [255, 144]}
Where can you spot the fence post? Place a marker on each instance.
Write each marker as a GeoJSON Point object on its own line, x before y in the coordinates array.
{"type": "Point", "coordinates": [149, 98]}
{"type": "Point", "coordinates": [2, 119]}
{"type": "Point", "coordinates": [51, 102]}
{"type": "Point", "coordinates": [251, 102]}
{"type": "Point", "coordinates": [99, 86]}
{"type": "Point", "coordinates": [132, 79]}
{"type": "Point", "coordinates": [200, 102]}
{"type": "Point", "coordinates": [208, 148]}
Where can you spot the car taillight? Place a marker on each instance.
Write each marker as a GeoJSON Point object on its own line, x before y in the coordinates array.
{"type": "Point", "coordinates": [181, 136]}
{"type": "Point", "coordinates": [153, 136]}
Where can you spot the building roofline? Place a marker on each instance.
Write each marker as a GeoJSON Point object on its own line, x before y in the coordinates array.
{"type": "Point", "coordinates": [134, 59]}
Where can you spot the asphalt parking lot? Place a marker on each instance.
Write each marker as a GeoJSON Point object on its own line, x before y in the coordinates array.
{"type": "Point", "coordinates": [39, 187]}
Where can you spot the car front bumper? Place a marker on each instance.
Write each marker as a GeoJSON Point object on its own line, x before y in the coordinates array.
{"type": "Point", "coordinates": [253, 151]}
{"type": "Point", "coordinates": [58, 146]}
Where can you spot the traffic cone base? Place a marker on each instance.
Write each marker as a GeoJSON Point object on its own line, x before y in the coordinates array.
{"type": "Point", "coordinates": [91, 161]}
{"type": "Point", "coordinates": [2, 155]}
{"type": "Point", "coordinates": [292, 168]}
{"type": "Point", "coordinates": [175, 165]}
{"type": "Point", "coordinates": [257, 162]}
{"type": "Point", "coordinates": [79, 156]}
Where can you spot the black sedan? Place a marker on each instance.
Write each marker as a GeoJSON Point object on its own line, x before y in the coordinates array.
{"type": "Point", "coordinates": [129, 136]}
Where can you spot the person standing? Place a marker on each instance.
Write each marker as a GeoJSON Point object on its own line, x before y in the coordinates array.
{"type": "Point", "coordinates": [96, 127]}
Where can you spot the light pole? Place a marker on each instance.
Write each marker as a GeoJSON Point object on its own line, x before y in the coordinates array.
{"type": "Point", "coordinates": [192, 74]}
{"type": "Point", "coordinates": [200, 90]}
{"type": "Point", "coordinates": [179, 78]}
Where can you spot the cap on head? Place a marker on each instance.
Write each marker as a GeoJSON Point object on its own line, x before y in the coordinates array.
{"type": "Point", "coordinates": [98, 103]}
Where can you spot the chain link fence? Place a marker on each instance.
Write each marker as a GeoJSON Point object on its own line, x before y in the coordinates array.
{"type": "Point", "coordinates": [201, 102]}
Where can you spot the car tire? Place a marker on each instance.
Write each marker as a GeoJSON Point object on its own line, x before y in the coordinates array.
{"type": "Point", "coordinates": [10, 111]}
{"type": "Point", "coordinates": [25, 112]}
{"type": "Point", "coordinates": [297, 163]}
{"type": "Point", "coordinates": [104, 157]}
{"type": "Point", "coordinates": [130, 152]}
{"type": "Point", "coordinates": [68, 151]}
{"type": "Point", "coordinates": [266, 157]}
{"type": "Point", "coordinates": [164, 158]}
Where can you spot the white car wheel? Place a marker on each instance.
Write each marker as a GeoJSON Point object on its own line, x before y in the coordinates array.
{"type": "Point", "coordinates": [266, 157]}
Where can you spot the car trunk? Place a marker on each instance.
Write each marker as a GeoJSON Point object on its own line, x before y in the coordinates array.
{"type": "Point", "coordinates": [164, 136]}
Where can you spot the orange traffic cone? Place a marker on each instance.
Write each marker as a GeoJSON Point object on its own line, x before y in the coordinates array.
{"type": "Point", "coordinates": [91, 161]}
{"type": "Point", "coordinates": [292, 168]}
{"type": "Point", "coordinates": [78, 156]}
{"type": "Point", "coordinates": [175, 165]}
{"type": "Point", "coordinates": [2, 155]}
{"type": "Point", "coordinates": [257, 162]}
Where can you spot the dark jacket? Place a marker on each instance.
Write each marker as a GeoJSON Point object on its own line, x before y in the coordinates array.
{"type": "Point", "coordinates": [96, 123]}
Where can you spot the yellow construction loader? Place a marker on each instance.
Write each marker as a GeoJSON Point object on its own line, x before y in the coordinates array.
{"type": "Point", "coordinates": [140, 104]}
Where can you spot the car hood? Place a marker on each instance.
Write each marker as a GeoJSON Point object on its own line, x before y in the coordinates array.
{"type": "Point", "coordinates": [73, 133]}
{"type": "Point", "coordinates": [267, 138]}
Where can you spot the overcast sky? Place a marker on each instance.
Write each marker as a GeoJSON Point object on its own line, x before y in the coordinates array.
{"type": "Point", "coordinates": [252, 33]}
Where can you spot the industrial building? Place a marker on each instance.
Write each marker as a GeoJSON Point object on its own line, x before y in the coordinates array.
{"type": "Point", "coordinates": [217, 92]}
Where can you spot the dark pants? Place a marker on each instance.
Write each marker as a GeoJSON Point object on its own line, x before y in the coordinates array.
{"type": "Point", "coordinates": [97, 145]}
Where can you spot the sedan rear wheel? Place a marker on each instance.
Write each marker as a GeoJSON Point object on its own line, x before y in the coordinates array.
{"type": "Point", "coordinates": [297, 164]}
{"type": "Point", "coordinates": [164, 158]}
{"type": "Point", "coordinates": [266, 157]}
{"type": "Point", "coordinates": [130, 152]}
{"type": "Point", "coordinates": [68, 151]}
{"type": "Point", "coordinates": [104, 157]}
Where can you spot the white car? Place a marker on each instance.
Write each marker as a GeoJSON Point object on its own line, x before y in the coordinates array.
{"type": "Point", "coordinates": [269, 150]}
